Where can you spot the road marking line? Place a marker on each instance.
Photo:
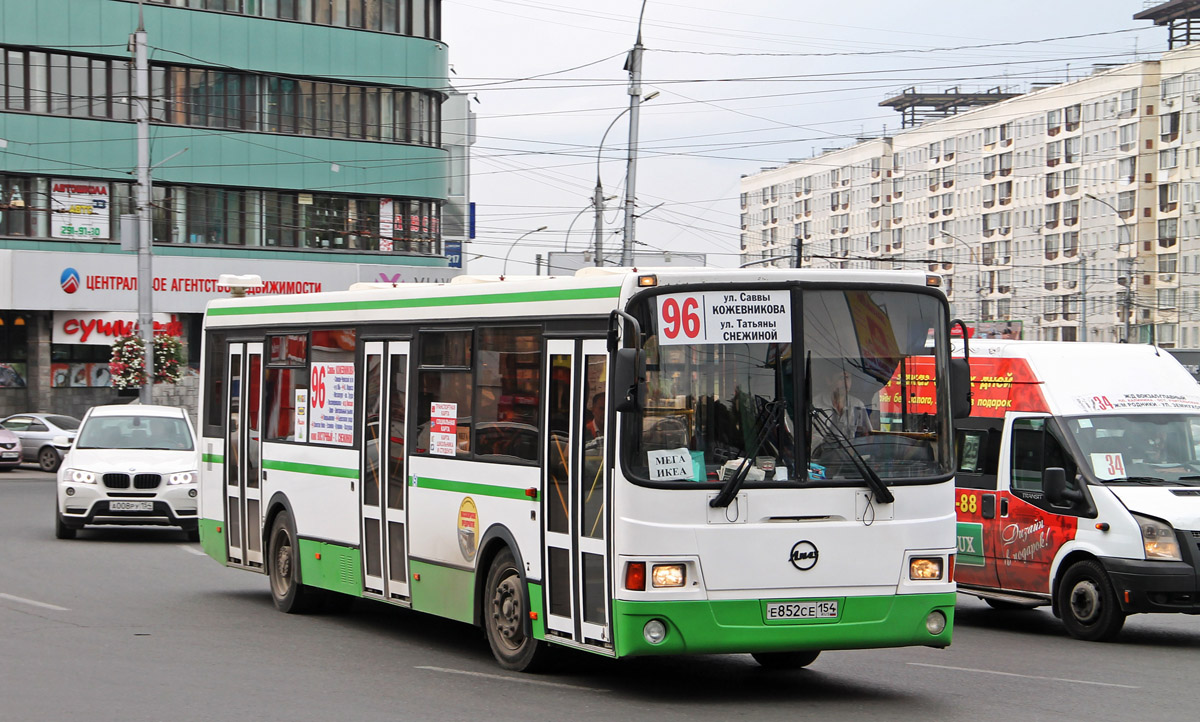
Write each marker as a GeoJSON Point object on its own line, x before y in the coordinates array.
{"type": "Point", "coordinates": [34, 602]}
{"type": "Point", "coordinates": [506, 678]}
{"type": "Point", "coordinates": [1024, 676]}
{"type": "Point", "coordinates": [192, 550]}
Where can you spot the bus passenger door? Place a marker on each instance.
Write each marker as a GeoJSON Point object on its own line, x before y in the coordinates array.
{"type": "Point", "coordinates": [382, 499]}
{"type": "Point", "coordinates": [575, 512]}
{"type": "Point", "coordinates": [243, 468]}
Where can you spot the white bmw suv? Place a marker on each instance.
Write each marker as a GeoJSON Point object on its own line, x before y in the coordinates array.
{"type": "Point", "coordinates": [130, 464]}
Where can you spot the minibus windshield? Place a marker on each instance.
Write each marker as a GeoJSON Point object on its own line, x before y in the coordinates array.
{"type": "Point", "coordinates": [1139, 448]}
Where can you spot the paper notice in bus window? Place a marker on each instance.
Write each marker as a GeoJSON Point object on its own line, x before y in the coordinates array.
{"type": "Point", "coordinates": [443, 428]}
{"type": "Point", "coordinates": [301, 415]}
{"type": "Point", "coordinates": [332, 394]}
{"type": "Point", "coordinates": [670, 464]}
{"type": "Point", "coordinates": [725, 317]}
{"type": "Point", "coordinates": [1108, 466]}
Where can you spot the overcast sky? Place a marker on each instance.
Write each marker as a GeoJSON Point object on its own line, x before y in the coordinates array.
{"type": "Point", "coordinates": [742, 86]}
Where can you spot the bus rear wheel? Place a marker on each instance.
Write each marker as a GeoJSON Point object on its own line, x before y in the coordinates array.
{"type": "Point", "coordinates": [283, 568]}
{"type": "Point", "coordinates": [506, 616]}
{"type": "Point", "coordinates": [786, 660]}
{"type": "Point", "coordinates": [1089, 607]}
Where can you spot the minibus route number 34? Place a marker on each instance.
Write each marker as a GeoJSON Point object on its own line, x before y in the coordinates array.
{"type": "Point", "coordinates": [623, 461]}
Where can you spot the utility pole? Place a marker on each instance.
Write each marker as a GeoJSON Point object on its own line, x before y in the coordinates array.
{"type": "Point", "coordinates": [145, 277]}
{"type": "Point", "coordinates": [799, 252]}
{"type": "Point", "coordinates": [634, 65]}
{"type": "Point", "coordinates": [598, 204]}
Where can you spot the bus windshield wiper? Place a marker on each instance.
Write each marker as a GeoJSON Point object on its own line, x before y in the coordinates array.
{"type": "Point", "coordinates": [830, 430]}
{"type": "Point", "coordinates": [767, 420]}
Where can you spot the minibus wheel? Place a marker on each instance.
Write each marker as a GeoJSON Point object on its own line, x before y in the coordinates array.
{"type": "Point", "coordinates": [786, 660]}
{"type": "Point", "coordinates": [283, 568]}
{"type": "Point", "coordinates": [1089, 607]}
{"type": "Point", "coordinates": [506, 616]}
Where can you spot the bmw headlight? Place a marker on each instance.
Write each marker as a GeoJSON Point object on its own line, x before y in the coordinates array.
{"type": "Point", "coordinates": [1158, 539]}
{"type": "Point", "coordinates": [79, 476]}
{"type": "Point", "coordinates": [184, 477]}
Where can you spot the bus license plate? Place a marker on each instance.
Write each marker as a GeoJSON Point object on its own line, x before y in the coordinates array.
{"type": "Point", "coordinates": [819, 609]}
{"type": "Point", "coordinates": [131, 506]}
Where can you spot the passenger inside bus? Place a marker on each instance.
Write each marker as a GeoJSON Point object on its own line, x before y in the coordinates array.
{"type": "Point", "coordinates": [841, 408]}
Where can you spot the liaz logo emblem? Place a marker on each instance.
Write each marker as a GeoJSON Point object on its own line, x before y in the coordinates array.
{"type": "Point", "coordinates": [69, 280]}
{"type": "Point", "coordinates": [804, 555]}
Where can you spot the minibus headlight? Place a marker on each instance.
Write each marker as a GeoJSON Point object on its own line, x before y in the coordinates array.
{"type": "Point", "coordinates": [668, 575]}
{"type": "Point", "coordinates": [1158, 539]}
{"type": "Point", "coordinates": [79, 476]}
{"type": "Point", "coordinates": [925, 568]}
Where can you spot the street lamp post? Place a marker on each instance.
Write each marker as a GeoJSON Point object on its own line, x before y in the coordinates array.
{"type": "Point", "coordinates": [514, 245]}
{"type": "Point", "coordinates": [978, 271]}
{"type": "Point", "coordinates": [1129, 266]}
{"type": "Point", "coordinates": [598, 197]}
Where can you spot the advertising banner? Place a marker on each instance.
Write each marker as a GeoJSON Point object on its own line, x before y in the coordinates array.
{"type": "Point", "coordinates": [79, 209]}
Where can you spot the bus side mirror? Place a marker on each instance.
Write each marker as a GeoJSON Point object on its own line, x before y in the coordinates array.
{"type": "Point", "coordinates": [1054, 484]}
{"type": "Point", "coordinates": [960, 388]}
{"type": "Point", "coordinates": [627, 379]}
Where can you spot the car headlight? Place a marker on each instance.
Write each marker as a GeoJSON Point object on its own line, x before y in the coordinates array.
{"type": "Point", "coordinates": [668, 575]}
{"type": "Point", "coordinates": [184, 477]}
{"type": "Point", "coordinates": [1158, 539]}
{"type": "Point", "coordinates": [79, 476]}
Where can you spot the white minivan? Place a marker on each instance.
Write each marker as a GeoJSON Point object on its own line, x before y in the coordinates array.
{"type": "Point", "coordinates": [130, 464]}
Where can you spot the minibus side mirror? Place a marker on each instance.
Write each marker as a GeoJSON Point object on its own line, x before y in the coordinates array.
{"type": "Point", "coordinates": [960, 388]}
{"type": "Point", "coordinates": [1054, 484]}
{"type": "Point", "coordinates": [627, 379]}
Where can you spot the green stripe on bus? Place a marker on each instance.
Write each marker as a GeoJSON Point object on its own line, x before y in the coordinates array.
{"type": "Point", "coordinates": [470, 300]}
{"type": "Point", "coordinates": [466, 487]}
{"type": "Point", "coordinates": [315, 469]}
{"type": "Point", "coordinates": [212, 458]}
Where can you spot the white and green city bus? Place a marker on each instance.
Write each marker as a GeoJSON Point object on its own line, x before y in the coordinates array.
{"type": "Point", "coordinates": [625, 462]}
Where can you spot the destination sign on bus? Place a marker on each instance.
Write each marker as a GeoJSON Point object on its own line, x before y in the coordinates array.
{"type": "Point", "coordinates": [721, 317]}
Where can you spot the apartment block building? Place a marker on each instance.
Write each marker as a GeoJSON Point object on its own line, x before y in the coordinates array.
{"type": "Point", "coordinates": [1066, 213]}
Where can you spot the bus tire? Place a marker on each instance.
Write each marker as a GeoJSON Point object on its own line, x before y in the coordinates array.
{"type": "Point", "coordinates": [786, 660]}
{"type": "Point", "coordinates": [506, 616]}
{"type": "Point", "coordinates": [283, 569]}
{"type": "Point", "coordinates": [1089, 607]}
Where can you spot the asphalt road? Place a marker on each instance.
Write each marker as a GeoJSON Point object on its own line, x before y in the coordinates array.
{"type": "Point", "coordinates": [136, 624]}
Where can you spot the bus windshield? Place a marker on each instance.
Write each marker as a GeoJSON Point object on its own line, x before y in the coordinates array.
{"type": "Point", "coordinates": [1139, 448]}
{"type": "Point", "coordinates": [862, 384]}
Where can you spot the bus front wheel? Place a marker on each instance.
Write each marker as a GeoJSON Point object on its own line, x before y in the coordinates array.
{"type": "Point", "coordinates": [786, 660]}
{"type": "Point", "coordinates": [283, 560]}
{"type": "Point", "coordinates": [506, 615]}
{"type": "Point", "coordinates": [1089, 607]}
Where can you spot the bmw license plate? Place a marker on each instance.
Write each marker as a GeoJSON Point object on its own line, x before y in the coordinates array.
{"type": "Point", "coordinates": [131, 506]}
{"type": "Point", "coordinates": [797, 611]}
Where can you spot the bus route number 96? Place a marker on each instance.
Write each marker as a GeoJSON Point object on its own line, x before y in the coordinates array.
{"type": "Point", "coordinates": [679, 315]}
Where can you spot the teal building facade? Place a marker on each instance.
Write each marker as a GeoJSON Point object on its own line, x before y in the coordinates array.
{"type": "Point", "coordinates": [300, 140]}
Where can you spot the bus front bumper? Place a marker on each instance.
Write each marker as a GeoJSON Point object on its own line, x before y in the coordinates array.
{"type": "Point", "coordinates": [740, 626]}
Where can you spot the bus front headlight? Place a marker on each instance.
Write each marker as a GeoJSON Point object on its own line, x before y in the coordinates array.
{"type": "Point", "coordinates": [1158, 539]}
{"type": "Point", "coordinates": [668, 575]}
